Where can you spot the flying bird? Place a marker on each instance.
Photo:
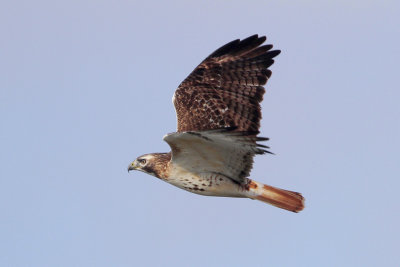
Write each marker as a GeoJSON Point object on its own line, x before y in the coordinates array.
{"type": "Point", "coordinates": [218, 119]}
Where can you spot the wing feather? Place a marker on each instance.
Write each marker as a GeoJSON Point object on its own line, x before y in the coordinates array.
{"type": "Point", "coordinates": [226, 89]}
{"type": "Point", "coordinates": [222, 151]}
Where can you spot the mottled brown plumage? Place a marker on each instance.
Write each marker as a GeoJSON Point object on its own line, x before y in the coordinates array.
{"type": "Point", "coordinates": [226, 89]}
{"type": "Point", "coordinates": [218, 112]}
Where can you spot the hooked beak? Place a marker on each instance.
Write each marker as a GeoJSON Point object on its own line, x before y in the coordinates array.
{"type": "Point", "coordinates": [132, 166]}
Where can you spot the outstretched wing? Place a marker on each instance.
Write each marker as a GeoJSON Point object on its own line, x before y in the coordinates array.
{"type": "Point", "coordinates": [226, 89]}
{"type": "Point", "coordinates": [221, 151]}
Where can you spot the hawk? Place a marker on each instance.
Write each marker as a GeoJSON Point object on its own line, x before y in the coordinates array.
{"type": "Point", "coordinates": [218, 113]}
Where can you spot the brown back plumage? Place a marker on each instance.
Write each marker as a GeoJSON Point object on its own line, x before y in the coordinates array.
{"type": "Point", "coordinates": [226, 89]}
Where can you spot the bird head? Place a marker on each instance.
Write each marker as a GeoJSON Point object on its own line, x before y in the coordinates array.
{"type": "Point", "coordinates": [142, 163]}
{"type": "Point", "coordinates": [154, 164]}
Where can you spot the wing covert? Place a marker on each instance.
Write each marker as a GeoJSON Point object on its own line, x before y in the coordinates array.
{"type": "Point", "coordinates": [222, 151]}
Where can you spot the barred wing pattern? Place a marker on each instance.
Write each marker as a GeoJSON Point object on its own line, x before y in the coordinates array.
{"type": "Point", "coordinates": [226, 89]}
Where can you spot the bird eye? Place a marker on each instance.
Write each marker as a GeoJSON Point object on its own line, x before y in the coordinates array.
{"type": "Point", "coordinates": [142, 161]}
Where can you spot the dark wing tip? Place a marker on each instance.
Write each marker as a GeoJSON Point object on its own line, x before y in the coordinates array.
{"type": "Point", "coordinates": [273, 53]}
{"type": "Point", "coordinates": [238, 46]}
{"type": "Point", "coordinates": [224, 49]}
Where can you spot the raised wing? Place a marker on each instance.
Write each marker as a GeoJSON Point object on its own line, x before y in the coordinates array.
{"type": "Point", "coordinates": [226, 89]}
{"type": "Point", "coordinates": [221, 151]}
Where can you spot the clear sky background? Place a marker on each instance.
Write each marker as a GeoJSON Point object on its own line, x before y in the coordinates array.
{"type": "Point", "coordinates": [86, 87]}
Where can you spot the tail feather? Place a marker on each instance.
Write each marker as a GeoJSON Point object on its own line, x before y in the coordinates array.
{"type": "Point", "coordinates": [280, 198]}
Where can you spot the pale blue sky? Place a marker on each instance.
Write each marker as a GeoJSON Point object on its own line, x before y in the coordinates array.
{"type": "Point", "coordinates": [86, 86]}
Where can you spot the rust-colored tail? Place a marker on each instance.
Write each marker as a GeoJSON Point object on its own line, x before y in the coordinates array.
{"type": "Point", "coordinates": [280, 198]}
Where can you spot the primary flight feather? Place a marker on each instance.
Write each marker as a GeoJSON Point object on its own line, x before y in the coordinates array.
{"type": "Point", "coordinates": [218, 116]}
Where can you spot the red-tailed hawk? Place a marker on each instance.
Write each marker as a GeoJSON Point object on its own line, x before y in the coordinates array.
{"type": "Point", "coordinates": [218, 112]}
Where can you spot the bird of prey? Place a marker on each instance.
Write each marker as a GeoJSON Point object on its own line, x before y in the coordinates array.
{"type": "Point", "coordinates": [218, 113]}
